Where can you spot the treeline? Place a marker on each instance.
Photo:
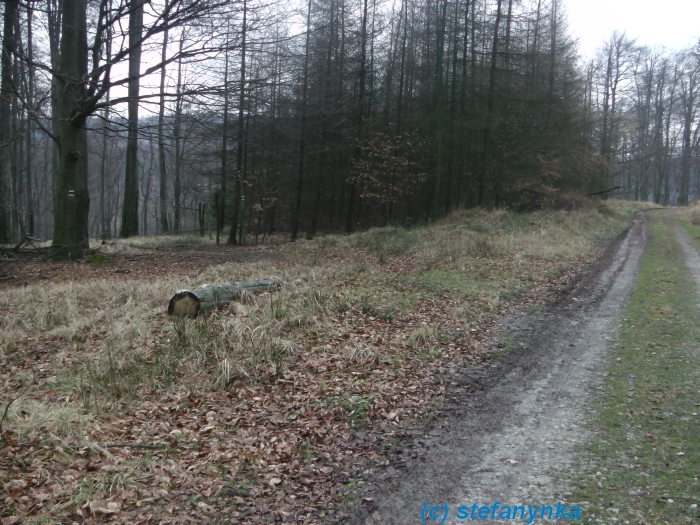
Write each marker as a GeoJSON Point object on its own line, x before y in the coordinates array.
{"type": "Point", "coordinates": [335, 116]}
{"type": "Point", "coordinates": [644, 111]}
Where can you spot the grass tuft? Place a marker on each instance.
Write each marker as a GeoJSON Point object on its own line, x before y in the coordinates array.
{"type": "Point", "coordinates": [692, 213]}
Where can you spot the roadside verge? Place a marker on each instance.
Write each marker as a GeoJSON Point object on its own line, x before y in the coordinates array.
{"type": "Point", "coordinates": [643, 466]}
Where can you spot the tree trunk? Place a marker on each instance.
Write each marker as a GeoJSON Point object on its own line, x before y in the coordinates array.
{"type": "Point", "coordinates": [104, 223]}
{"type": "Point", "coordinates": [688, 109]}
{"type": "Point", "coordinates": [360, 118]}
{"type": "Point", "coordinates": [71, 199]}
{"type": "Point", "coordinates": [302, 130]}
{"type": "Point", "coordinates": [453, 113]}
{"type": "Point", "coordinates": [163, 194]}
{"type": "Point", "coordinates": [239, 152]}
{"type": "Point", "coordinates": [465, 137]}
{"type": "Point", "coordinates": [30, 105]}
{"type": "Point", "coordinates": [186, 303]}
{"type": "Point", "coordinates": [145, 190]}
{"type": "Point", "coordinates": [486, 152]}
{"type": "Point", "coordinates": [54, 18]}
{"type": "Point", "coordinates": [686, 156]}
{"type": "Point", "coordinates": [506, 45]}
{"type": "Point", "coordinates": [6, 96]}
{"type": "Point", "coordinates": [221, 198]}
{"type": "Point", "coordinates": [16, 145]}
{"type": "Point", "coordinates": [437, 108]}
{"type": "Point", "coordinates": [242, 238]}
{"type": "Point", "coordinates": [399, 105]}
{"type": "Point", "coordinates": [177, 184]}
{"type": "Point", "coordinates": [130, 211]}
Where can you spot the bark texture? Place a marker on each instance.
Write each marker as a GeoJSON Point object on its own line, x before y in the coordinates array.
{"type": "Point", "coordinates": [71, 198]}
{"type": "Point", "coordinates": [191, 303]}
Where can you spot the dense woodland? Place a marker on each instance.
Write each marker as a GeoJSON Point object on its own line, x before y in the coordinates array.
{"type": "Point", "coordinates": [124, 118]}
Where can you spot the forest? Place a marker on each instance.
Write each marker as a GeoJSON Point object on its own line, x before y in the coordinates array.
{"type": "Point", "coordinates": [249, 118]}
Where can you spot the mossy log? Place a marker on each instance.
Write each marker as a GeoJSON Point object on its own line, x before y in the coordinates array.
{"type": "Point", "coordinates": [191, 303]}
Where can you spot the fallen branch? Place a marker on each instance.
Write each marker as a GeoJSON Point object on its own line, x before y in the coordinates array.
{"type": "Point", "coordinates": [535, 192]}
{"type": "Point", "coordinates": [21, 243]}
{"type": "Point", "coordinates": [7, 409]}
{"type": "Point", "coordinates": [95, 250]}
{"type": "Point", "coordinates": [604, 191]}
{"type": "Point", "coordinates": [135, 445]}
{"type": "Point", "coordinates": [191, 303]}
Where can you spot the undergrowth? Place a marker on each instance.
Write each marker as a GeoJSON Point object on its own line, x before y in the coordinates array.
{"type": "Point", "coordinates": [108, 340]}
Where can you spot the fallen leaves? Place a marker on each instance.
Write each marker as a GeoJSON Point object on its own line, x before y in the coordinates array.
{"type": "Point", "coordinates": [237, 452]}
{"type": "Point", "coordinates": [286, 445]}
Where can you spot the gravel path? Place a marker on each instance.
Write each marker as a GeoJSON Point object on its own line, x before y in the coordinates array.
{"type": "Point", "coordinates": [508, 441]}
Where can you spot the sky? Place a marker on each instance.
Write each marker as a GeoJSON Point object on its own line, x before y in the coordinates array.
{"type": "Point", "coordinates": [674, 24]}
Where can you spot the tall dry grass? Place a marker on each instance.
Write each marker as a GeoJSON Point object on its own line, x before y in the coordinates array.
{"type": "Point", "coordinates": [113, 337]}
{"type": "Point", "coordinates": [692, 213]}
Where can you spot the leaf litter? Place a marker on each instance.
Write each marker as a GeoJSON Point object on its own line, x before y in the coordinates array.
{"type": "Point", "coordinates": [288, 441]}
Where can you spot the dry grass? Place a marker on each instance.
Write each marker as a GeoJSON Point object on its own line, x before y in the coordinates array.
{"type": "Point", "coordinates": [120, 325]}
{"type": "Point", "coordinates": [692, 213]}
{"type": "Point", "coordinates": [103, 344]}
{"type": "Point", "coordinates": [115, 328]}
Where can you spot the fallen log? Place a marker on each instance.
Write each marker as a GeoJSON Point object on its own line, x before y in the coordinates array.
{"type": "Point", "coordinates": [601, 192]}
{"type": "Point", "coordinates": [191, 303]}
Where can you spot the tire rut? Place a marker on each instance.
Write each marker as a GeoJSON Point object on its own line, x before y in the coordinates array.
{"type": "Point", "coordinates": [511, 440]}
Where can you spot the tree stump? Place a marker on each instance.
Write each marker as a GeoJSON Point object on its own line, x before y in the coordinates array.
{"type": "Point", "coordinates": [191, 303]}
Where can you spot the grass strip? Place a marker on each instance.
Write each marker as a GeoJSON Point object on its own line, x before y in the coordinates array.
{"type": "Point", "coordinates": [643, 467]}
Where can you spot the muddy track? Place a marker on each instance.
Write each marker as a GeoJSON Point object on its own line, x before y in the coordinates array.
{"type": "Point", "coordinates": [518, 420]}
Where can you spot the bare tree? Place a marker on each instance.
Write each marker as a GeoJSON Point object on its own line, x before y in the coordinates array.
{"type": "Point", "coordinates": [81, 91]}
{"type": "Point", "coordinates": [239, 152]}
{"type": "Point", "coordinates": [688, 93]}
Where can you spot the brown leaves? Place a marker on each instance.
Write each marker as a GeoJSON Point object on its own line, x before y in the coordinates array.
{"type": "Point", "coordinates": [169, 259]}
{"type": "Point", "coordinates": [283, 445]}
{"type": "Point", "coordinates": [386, 170]}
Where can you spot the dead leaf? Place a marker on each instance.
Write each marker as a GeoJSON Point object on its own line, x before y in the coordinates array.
{"type": "Point", "coordinates": [112, 507]}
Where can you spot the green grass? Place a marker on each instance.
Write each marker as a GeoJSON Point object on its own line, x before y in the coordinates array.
{"type": "Point", "coordinates": [98, 259]}
{"type": "Point", "coordinates": [443, 281]}
{"type": "Point", "coordinates": [356, 407]}
{"type": "Point", "coordinates": [188, 240]}
{"type": "Point", "coordinates": [644, 465]}
{"type": "Point", "coordinates": [392, 240]}
{"type": "Point", "coordinates": [692, 229]}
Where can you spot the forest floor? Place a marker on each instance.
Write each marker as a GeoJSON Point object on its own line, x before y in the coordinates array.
{"type": "Point", "coordinates": [138, 258]}
{"type": "Point", "coordinates": [293, 406]}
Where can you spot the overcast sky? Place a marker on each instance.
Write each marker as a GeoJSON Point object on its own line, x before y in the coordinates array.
{"type": "Point", "coordinates": [671, 23]}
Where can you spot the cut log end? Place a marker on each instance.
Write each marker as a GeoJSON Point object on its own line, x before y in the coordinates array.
{"type": "Point", "coordinates": [184, 304]}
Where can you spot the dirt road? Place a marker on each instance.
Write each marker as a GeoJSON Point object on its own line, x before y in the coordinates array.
{"type": "Point", "coordinates": [508, 441]}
